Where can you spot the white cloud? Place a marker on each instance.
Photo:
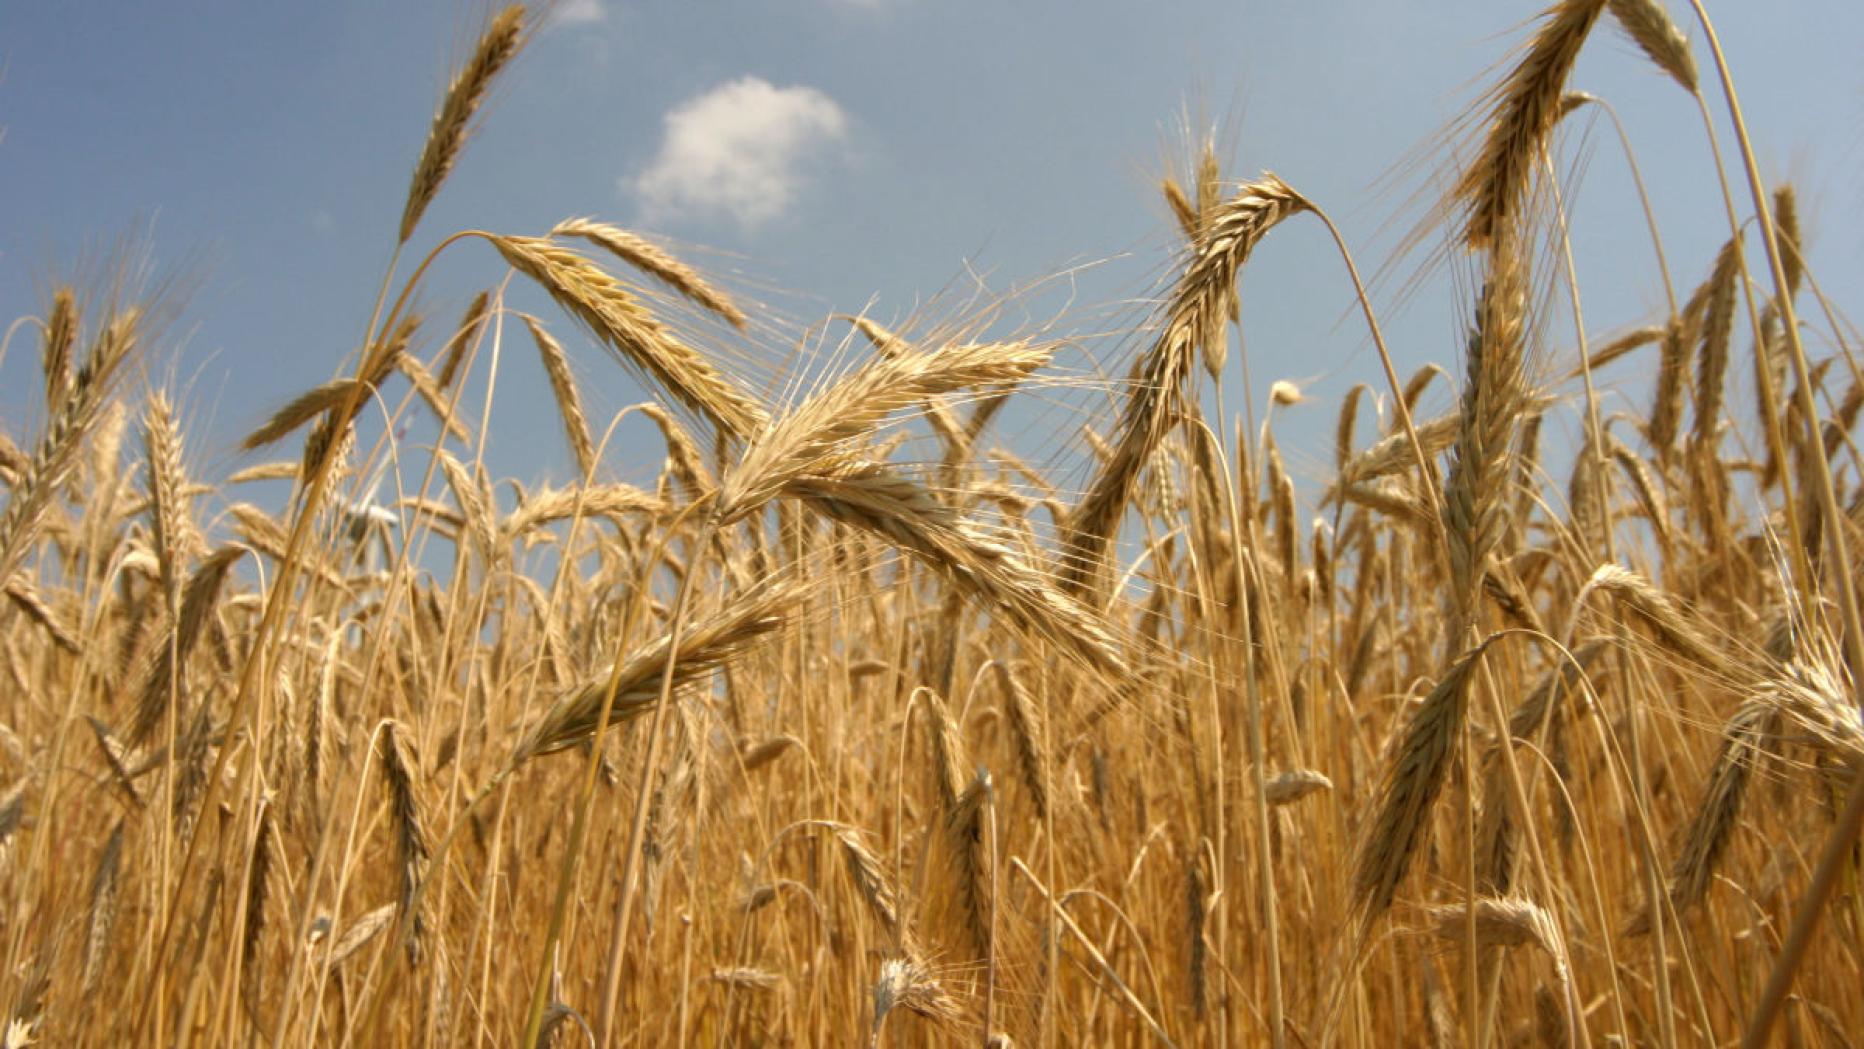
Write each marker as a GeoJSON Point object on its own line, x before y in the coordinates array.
{"type": "Point", "coordinates": [581, 12]}
{"type": "Point", "coordinates": [743, 150]}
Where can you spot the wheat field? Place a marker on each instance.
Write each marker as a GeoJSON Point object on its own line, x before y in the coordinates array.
{"type": "Point", "coordinates": [854, 727]}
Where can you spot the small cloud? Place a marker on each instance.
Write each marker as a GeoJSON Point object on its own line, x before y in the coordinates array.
{"type": "Point", "coordinates": [581, 12]}
{"type": "Point", "coordinates": [322, 222]}
{"type": "Point", "coordinates": [743, 150]}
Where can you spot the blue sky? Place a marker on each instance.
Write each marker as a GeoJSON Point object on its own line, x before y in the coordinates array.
{"type": "Point", "coordinates": [831, 155]}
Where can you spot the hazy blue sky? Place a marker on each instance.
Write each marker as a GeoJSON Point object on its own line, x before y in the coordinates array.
{"type": "Point", "coordinates": [829, 153]}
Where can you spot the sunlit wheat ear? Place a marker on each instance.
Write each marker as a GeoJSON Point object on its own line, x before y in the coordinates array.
{"type": "Point", "coordinates": [1751, 732]}
{"type": "Point", "coordinates": [464, 335]}
{"type": "Point", "coordinates": [28, 1006]}
{"type": "Point", "coordinates": [432, 395]}
{"type": "Point", "coordinates": [1181, 208]}
{"type": "Point", "coordinates": [1622, 346]}
{"type": "Point", "coordinates": [569, 400]}
{"type": "Point", "coordinates": [1494, 393]}
{"type": "Point", "coordinates": [1393, 498]}
{"type": "Point", "coordinates": [258, 888]}
{"type": "Point", "coordinates": [1501, 921]}
{"type": "Point", "coordinates": [649, 258]}
{"type": "Point", "coordinates": [364, 928]}
{"type": "Point", "coordinates": [689, 465]}
{"type": "Point", "coordinates": [1666, 411]}
{"type": "Point", "coordinates": [968, 863]}
{"type": "Point", "coordinates": [474, 495]}
{"type": "Point", "coordinates": [1524, 109]}
{"type": "Point", "coordinates": [196, 749]}
{"type": "Point", "coordinates": [1644, 486]}
{"type": "Point", "coordinates": [60, 335]}
{"type": "Point", "coordinates": [705, 647]}
{"type": "Point", "coordinates": [497, 45]}
{"type": "Point", "coordinates": [57, 452]}
{"type": "Point", "coordinates": [754, 756]}
{"type": "Point", "coordinates": [749, 979]}
{"type": "Point", "coordinates": [1197, 906]}
{"type": "Point", "coordinates": [117, 758]}
{"type": "Point", "coordinates": [12, 814]}
{"type": "Point", "coordinates": [1029, 731]}
{"type": "Point", "coordinates": [1786, 231]}
{"type": "Point", "coordinates": [1198, 305]}
{"type": "Point", "coordinates": [1345, 425]}
{"type": "Point", "coordinates": [816, 436]}
{"type": "Point", "coordinates": [1717, 326]}
{"type": "Point", "coordinates": [329, 399]}
{"type": "Point", "coordinates": [398, 770]}
{"type": "Point", "coordinates": [1649, 26]}
{"type": "Point", "coordinates": [316, 726]}
{"type": "Point", "coordinates": [304, 408]}
{"type": "Point", "coordinates": [870, 879]}
{"type": "Point", "coordinates": [13, 462]}
{"type": "Point", "coordinates": [1393, 454]}
{"type": "Point", "coordinates": [907, 983]}
{"type": "Point", "coordinates": [551, 505]}
{"type": "Point", "coordinates": [31, 604]}
{"type": "Point", "coordinates": [904, 514]}
{"type": "Point", "coordinates": [1420, 763]}
{"type": "Point", "coordinates": [1290, 787]}
{"type": "Point", "coordinates": [959, 438]}
{"type": "Point", "coordinates": [1674, 628]}
{"type": "Point", "coordinates": [276, 470]}
{"type": "Point", "coordinates": [103, 914]}
{"type": "Point", "coordinates": [950, 762]}
{"type": "Point", "coordinates": [198, 600]}
{"type": "Point", "coordinates": [173, 530]}
{"type": "Point", "coordinates": [617, 318]}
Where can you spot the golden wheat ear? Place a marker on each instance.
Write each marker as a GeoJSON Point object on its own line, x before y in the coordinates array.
{"type": "Point", "coordinates": [498, 44]}
{"type": "Point", "coordinates": [616, 317]}
{"type": "Point", "coordinates": [651, 259]}
{"type": "Point", "coordinates": [1199, 304]}
{"type": "Point", "coordinates": [1525, 108]}
{"type": "Point", "coordinates": [399, 768]}
{"type": "Point", "coordinates": [1648, 25]}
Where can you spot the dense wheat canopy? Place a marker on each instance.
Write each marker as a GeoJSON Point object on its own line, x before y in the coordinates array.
{"type": "Point", "coordinates": [837, 710]}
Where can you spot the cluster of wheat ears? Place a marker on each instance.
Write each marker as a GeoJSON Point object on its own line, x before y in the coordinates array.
{"type": "Point", "coordinates": [835, 736]}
